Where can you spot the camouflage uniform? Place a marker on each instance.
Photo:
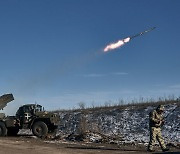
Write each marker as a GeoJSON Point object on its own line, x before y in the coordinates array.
{"type": "Point", "coordinates": [155, 123]}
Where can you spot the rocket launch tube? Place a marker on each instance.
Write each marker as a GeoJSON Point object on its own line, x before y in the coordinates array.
{"type": "Point", "coordinates": [142, 33]}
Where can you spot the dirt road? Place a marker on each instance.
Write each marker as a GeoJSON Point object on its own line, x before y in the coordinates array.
{"type": "Point", "coordinates": [31, 145]}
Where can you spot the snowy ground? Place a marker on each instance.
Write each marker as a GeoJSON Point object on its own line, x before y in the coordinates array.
{"type": "Point", "coordinates": [128, 125]}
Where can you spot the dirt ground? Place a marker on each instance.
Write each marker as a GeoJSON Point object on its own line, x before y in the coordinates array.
{"type": "Point", "coordinates": [33, 145]}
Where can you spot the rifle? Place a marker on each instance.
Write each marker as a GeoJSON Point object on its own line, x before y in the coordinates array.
{"type": "Point", "coordinates": [169, 113]}
{"type": "Point", "coordinates": [164, 119]}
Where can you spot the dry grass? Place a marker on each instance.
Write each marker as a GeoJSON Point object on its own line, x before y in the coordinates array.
{"type": "Point", "coordinates": [134, 104]}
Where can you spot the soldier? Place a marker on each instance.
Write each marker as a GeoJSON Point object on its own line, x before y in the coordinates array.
{"type": "Point", "coordinates": [155, 122]}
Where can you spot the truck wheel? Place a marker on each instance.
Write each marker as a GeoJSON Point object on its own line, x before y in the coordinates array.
{"type": "Point", "coordinates": [3, 129]}
{"type": "Point", "coordinates": [40, 129]}
{"type": "Point", "coordinates": [12, 131]}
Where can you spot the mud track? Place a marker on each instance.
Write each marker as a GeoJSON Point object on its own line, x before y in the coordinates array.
{"type": "Point", "coordinates": [32, 145]}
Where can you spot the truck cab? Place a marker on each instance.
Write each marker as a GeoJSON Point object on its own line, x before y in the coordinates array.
{"type": "Point", "coordinates": [27, 113]}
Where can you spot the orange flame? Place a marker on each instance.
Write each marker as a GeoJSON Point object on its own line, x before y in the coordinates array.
{"type": "Point", "coordinates": [117, 44]}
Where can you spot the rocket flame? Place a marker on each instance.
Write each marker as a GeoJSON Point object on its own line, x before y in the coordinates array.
{"type": "Point", "coordinates": [117, 44]}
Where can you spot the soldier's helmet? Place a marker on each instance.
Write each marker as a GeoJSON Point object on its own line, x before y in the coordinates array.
{"type": "Point", "coordinates": [160, 108]}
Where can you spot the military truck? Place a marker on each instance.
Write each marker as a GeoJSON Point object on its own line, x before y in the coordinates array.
{"type": "Point", "coordinates": [29, 116]}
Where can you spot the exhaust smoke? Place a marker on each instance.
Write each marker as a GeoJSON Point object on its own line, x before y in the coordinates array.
{"type": "Point", "coordinates": [116, 45]}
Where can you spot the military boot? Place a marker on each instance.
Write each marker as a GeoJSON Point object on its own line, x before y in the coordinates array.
{"type": "Point", "coordinates": [166, 149]}
{"type": "Point", "coordinates": [150, 150]}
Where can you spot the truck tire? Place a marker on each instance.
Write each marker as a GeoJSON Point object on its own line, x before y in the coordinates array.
{"type": "Point", "coordinates": [40, 129]}
{"type": "Point", "coordinates": [12, 131]}
{"type": "Point", "coordinates": [3, 129]}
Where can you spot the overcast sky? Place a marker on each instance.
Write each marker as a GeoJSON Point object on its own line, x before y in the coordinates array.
{"type": "Point", "coordinates": [51, 51]}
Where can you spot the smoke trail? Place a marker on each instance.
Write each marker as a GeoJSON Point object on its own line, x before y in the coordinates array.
{"type": "Point", "coordinates": [116, 45]}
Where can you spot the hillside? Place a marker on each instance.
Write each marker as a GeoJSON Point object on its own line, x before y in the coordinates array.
{"type": "Point", "coordinates": [127, 123]}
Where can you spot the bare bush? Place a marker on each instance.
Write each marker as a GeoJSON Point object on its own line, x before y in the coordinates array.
{"type": "Point", "coordinates": [81, 105]}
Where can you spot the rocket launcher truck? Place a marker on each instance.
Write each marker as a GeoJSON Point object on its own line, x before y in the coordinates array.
{"type": "Point", "coordinates": [29, 116]}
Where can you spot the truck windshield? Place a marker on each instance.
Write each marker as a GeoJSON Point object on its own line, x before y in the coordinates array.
{"type": "Point", "coordinates": [39, 108]}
